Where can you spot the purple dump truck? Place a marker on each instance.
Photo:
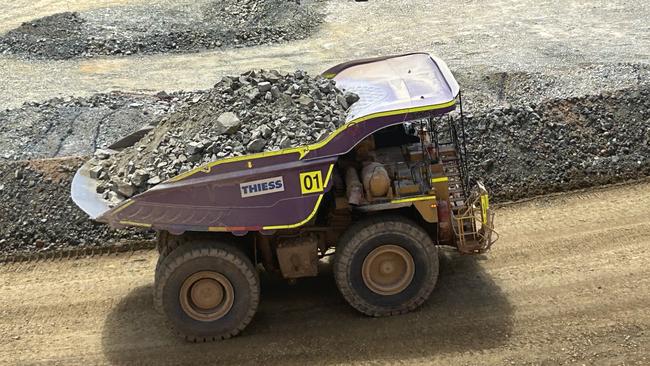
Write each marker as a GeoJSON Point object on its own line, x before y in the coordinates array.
{"type": "Point", "coordinates": [379, 194]}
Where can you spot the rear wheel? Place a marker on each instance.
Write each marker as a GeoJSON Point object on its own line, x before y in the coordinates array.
{"type": "Point", "coordinates": [386, 266]}
{"type": "Point", "coordinates": [166, 244]}
{"type": "Point", "coordinates": [209, 291]}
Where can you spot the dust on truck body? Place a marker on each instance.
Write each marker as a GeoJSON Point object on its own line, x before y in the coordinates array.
{"type": "Point", "coordinates": [379, 194]}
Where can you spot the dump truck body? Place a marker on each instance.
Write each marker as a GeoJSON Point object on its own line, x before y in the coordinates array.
{"type": "Point", "coordinates": [214, 198]}
{"type": "Point", "coordinates": [379, 194]}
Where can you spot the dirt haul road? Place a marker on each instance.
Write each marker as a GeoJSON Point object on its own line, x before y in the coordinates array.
{"type": "Point", "coordinates": [568, 283]}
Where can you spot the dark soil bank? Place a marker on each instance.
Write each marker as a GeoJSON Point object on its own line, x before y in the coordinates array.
{"type": "Point", "coordinates": [37, 213]}
{"type": "Point", "coordinates": [177, 27]}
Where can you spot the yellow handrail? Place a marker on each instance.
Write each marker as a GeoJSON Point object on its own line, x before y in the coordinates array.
{"type": "Point", "coordinates": [474, 227]}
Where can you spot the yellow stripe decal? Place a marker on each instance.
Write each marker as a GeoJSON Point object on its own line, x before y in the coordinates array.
{"type": "Point", "coordinates": [485, 202]}
{"type": "Point", "coordinates": [329, 174]}
{"type": "Point", "coordinates": [125, 205]}
{"type": "Point", "coordinates": [313, 212]}
{"type": "Point", "coordinates": [439, 180]}
{"type": "Point", "coordinates": [216, 228]}
{"type": "Point", "coordinates": [413, 199]}
{"type": "Point", "coordinates": [134, 223]}
{"type": "Point", "coordinates": [306, 220]}
{"type": "Point", "coordinates": [303, 150]}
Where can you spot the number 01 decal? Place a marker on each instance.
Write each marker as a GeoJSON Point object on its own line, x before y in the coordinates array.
{"type": "Point", "coordinates": [311, 182]}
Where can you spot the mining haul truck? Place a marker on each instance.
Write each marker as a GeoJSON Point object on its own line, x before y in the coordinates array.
{"type": "Point", "coordinates": [378, 195]}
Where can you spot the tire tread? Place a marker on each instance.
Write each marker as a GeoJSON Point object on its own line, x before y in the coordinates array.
{"type": "Point", "coordinates": [355, 236]}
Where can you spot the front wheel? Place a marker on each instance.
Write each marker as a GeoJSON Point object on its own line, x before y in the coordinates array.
{"type": "Point", "coordinates": [386, 265]}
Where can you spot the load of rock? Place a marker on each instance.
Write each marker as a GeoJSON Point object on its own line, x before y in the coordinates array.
{"type": "Point", "coordinates": [260, 110]}
{"type": "Point", "coordinates": [179, 26]}
{"type": "Point", "coordinates": [557, 145]}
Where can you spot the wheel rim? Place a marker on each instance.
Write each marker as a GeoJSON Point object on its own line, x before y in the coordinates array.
{"type": "Point", "coordinates": [207, 296]}
{"type": "Point", "coordinates": [388, 270]}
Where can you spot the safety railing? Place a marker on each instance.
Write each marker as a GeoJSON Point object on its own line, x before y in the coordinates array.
{"type": "Point", "coordinates": [474, 224]}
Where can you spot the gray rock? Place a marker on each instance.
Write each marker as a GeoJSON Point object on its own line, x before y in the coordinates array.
{"type": "Point", "coordinates": [125, 189]}
{"type": "Point", "coordinates": [285, 142]}
{"type": "Point", "coordinates": [275, 92]}
{"type": "Point", "coordinates": [139, 177]}
{"type": "Point", "coordinates": [351, 98]}
{"type": "Point", "coordinates": [342, 102]}
{"type": "Point", "coordinates": [266, 131]}
{"type": "Point", "coordinates": [95, 171]}
{"type": "Point", "coordinates": [193, 148]}
{"type": "Point", "coordinates": [253, 94]}
{"type": "Point", "coordinates": [256, 145]}
{"type": "Point", "coordinates": [102, 154]}
{"type": "Point", "coordinates": [294, 89]}
{"type": "Point", "coordinates": [101, 188]}
{"type": "Point", "coordinates": [264, 86]}
{"type": "Point", "coordinates": [230, 122]}
{"type": "Point", "coordinates": [325, 87]}
{"type": "Point", "coordinates": [154, 180]}
{"type": "Point", "coordinates": [115, 197]}
{"type": "Point", "coordinates": [306, 101]}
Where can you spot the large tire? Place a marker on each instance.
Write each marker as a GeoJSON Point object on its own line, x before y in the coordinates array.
{"type": "Point", "coordinates": [386, 265]}
{"type": "Point", "coordinates": [166, 244]}
{"type": "Point", "coordinates": [216, 276]}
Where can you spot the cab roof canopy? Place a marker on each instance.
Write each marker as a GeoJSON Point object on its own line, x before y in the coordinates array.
{"type": "Point", "coordinates": [403, 83]}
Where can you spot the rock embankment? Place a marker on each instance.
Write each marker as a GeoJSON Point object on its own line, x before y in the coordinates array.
{"type": "Point", "coordinates": [562, 144]}
{"type": "Point", "coordinates": [37, 213]}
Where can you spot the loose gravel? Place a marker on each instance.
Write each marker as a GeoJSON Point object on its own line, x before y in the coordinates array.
{"type": "Point", "coordinates": [250, 113]}
{"type": "Point", "coordinates": [174, 27]}
{"type": "Point", "coordinates": [531, 149]}
{"type": "Point", "coordinates": [37, 213]}
{"type": "Point", "coordinates": [78, 126]}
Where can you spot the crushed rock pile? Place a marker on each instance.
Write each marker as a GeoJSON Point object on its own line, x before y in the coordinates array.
{"type": "Point", "coordinates": [179, 26]}
{"type": "Point", "coordinates": [562, 144]}
{"type": "Point", "coordinates": [37, 213]}
{"type": "Point", "coordinates": [254, 112]}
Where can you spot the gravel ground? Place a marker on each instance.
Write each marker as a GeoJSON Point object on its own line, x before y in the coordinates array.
{"type": "Point", "coordinates": [37, 213]}
{"type": "Point", "coordinates": [572, 41]}
{"type": "Point", "coordinates": [157, 28]}
{"type": "Point", "coordinates": [78, 126]}
{"type": "Point", "coordinates": [486, 89]}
